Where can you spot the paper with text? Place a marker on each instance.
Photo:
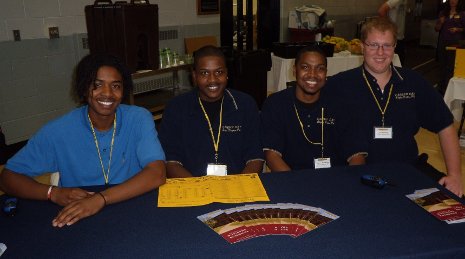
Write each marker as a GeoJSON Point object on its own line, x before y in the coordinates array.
{"type": "Point", "coordinates": [197, 191]}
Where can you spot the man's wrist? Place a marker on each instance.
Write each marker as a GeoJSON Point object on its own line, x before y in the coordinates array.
{"type": "Point", "coordinates": [49, 192]}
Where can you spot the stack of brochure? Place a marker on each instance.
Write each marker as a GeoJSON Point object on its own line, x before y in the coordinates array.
{"type": "Point", "coordinates": [439, 204]}
{"type": "Point", "coordinates": [250, 221]}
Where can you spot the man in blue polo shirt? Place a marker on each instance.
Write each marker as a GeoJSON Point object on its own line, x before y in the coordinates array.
{"type": "Point", "coordinates": [101, 142]}
{"type": "Point", "coordinates": [300, 128]}
{"type": "Point", "coordinates": [392, 103]}
{"type": "Point", "coordinates": [211, 130]}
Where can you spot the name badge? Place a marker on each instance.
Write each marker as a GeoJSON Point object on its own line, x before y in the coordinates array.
{"type": "Point", "coordinates": [383, 133]}
{"type": "Point", "coordinates": [322, 162]}
{"type": "Point", "coordinates": [217, 169]}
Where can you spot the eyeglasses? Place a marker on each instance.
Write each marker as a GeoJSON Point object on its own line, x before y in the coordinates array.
{"type": "Point", "coordinates": [376, 46]}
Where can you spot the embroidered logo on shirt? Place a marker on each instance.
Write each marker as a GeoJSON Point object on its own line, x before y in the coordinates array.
{"type": "Point", "coordinates": [328, 121]}
{"type": "Point", "coordinates": [231, 128]}
{"type": "Point", "coordinates": [401, 96]}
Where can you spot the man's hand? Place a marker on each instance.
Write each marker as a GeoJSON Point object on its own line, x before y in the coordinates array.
{"type": "Point", "coordinates": [78, 210]}
{"type": "Point", "coordinates": [453, 184]}
{"type": "Point", "coordinates": [64, 196]}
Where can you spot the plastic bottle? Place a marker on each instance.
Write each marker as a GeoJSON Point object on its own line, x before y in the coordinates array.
{"type": "Point", "coordinates": [169, 57]}
{"type": "Point", "coordinates": [162, 58]}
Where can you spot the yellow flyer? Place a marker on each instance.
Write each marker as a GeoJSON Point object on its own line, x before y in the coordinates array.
{"type": "Point", "coordinates": [197, 191]}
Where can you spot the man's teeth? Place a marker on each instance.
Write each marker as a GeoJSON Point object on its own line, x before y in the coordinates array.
{"type": "Point", "coordinates": [311, 82]}
{"type": "Point", "coordinates": [213, 87]}
{"type": "Point", "coordinates": [105, 103]}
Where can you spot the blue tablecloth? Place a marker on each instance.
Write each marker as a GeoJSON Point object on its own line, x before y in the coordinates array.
{"type": "Point", "coordinates": [372, 223]}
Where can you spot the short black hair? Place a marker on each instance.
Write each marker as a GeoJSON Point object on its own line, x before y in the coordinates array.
{"type": "Point", "coordinates": [86, 73]}
{"type": "Point", "coordinates": [310, 48]}
{"type": "Point", "coordinates": [206, 51]}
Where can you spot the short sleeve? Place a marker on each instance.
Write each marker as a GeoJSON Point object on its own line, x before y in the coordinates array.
{"type": "Point", "coordinates": [36, 157]}
{"type": "Point", "coordinates": [271, 130]}
{"type": "Point", "coordinates": [170, 134]}
{"type": "Point", "coordinates": [433, 113]}
{"type": "Point", "coordinates": [252, 147]}
{"type": "Point", "coordinates": [148, 148]}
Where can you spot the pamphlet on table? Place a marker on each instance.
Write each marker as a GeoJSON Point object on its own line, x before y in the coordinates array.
{"type": "Point", "coordinates": [256, 220]}
{"type": "Point", "coordinates": [439, 204]}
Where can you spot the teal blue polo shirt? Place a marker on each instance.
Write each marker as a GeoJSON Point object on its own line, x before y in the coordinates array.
{"type": "Point", "coordinates": [66, 145]}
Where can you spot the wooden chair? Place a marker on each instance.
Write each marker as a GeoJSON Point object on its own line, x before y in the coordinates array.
{"type": "Point", "coordinates": [193, 44]}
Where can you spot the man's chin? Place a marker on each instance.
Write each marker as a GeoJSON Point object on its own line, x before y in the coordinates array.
{"type": "Point", "coordinates": [311, 92]}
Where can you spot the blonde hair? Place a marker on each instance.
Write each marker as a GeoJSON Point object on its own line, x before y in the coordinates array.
{"type": "Point", "coordinates": [380, 24]}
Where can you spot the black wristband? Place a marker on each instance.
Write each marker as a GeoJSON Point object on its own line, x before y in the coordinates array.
{"type": "Point", "coordinates": [104, 199]}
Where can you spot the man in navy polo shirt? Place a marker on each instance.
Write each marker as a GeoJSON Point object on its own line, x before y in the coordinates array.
{"type": "Point", "coordinates": [211, 130]}
{"type": "Point", "coordinates": [392, 103]}
{"type": "Point", "coordinates": [300, 128]}
{"type": "Point", "coordinates": [102, 142]}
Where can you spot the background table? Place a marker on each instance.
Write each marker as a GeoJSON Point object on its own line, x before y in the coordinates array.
{"type": "Point", "coordinates": [282, 69]}
{"type": "Point", "coordinates": [373, 223]}
{"type": "Point", "coordinates": [455, 96]}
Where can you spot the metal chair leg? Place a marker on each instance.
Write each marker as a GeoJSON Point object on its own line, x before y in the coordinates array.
{"type": "Point", "coordinates": [462, 120]}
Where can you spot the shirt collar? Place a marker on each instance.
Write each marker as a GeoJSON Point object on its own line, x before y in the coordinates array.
{"type": "Point", "coordinates": [85, 119]}
{"type": "Point", "coordinates": [396, 77]}
{"type": "Point", "coordinates": [229, 102]}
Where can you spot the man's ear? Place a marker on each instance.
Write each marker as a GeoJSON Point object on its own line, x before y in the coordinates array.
{"type": "Point", "coordinates": [194, 78]}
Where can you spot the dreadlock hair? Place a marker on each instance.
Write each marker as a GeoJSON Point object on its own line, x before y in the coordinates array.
{"type": "Point", "coordinates": [86, 74]}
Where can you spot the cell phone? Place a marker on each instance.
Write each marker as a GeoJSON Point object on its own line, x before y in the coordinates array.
{"type": "Point", "coordinates": [10, 206]}
{"type": "Point", "coordinates": [2, 248]}
{"type": "Point", "coordinates": [374, 181]}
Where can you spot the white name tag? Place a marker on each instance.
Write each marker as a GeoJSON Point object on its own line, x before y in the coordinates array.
{"type": "Point", "coordinates": [322, 162]}
{"type": "Point", "coordinates": [383, 133]}
{"type": "Point", "coordinates": [217, 169]}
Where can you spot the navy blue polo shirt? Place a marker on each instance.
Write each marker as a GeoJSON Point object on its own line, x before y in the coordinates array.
{"type": "Point", "coordinates": [414, 103]}
{"type": "Point", "coordinates": [282, 133]}
{"type": "Point", "coordinates": [186, 138]}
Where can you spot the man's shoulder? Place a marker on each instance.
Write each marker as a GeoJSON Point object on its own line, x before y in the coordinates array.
{"type": "Point", "coordinates": [408, 75]}
{"type": "Point", "coordinates": [238, 95]}
{"type": "Point", "coordinates": [133, 112]}
{"type": "Point", "coordinates": [183, 100]}
{"type": "Point", "coordinates": [351, 73]}
{"type": "Point", "coordinates": [280, 96]}
{"type": "Point", "coordinates": [278, 101]}
{"type": "Point", "coordinates": [344, 77]}
{"type": "Point", "coordinates": [73, 116]}
{"type": "Point", "coordinates": [239, 99]}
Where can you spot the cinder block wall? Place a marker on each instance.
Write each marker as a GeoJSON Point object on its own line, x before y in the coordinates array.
{"type": "Point", "coordinates": [36, 72]}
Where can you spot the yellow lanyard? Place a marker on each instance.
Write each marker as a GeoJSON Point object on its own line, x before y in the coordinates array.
{"type": "Point", "coordinates": [383, 111]}
{"type": "Point", "coordinates": [322, 129]}
{"type": "Point", "coordinates": [216, 143]}
{"type": "Point", "coordinates": [105, 175]}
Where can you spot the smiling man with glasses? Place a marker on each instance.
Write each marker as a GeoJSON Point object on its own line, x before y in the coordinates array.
{"type": "Point", "coordinates": [392, 103]}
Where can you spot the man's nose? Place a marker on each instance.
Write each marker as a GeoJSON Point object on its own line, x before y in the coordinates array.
{"type": "Point", "coordinates": [211, 77]}
{"type": "Point", "coordinates": [106, 90]}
